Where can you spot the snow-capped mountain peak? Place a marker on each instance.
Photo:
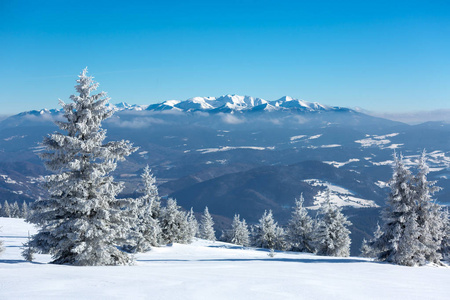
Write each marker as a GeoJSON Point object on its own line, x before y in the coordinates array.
{"type": "Point", "coordinates": [285, 99]}
{"type": "Point", "coordinates": [229, 103]}
{"type": "Point", "coordinates": [290, 103]}
{"type": "Point", "coordinates": [236, 103]}
{"type": "Point", "coordinates": [196, 103]}
{"type": "Point", "coordinates": [123, 105]}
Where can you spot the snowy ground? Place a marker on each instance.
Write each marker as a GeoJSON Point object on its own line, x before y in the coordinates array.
{"type": "Point", "coordinates": [217, 270]}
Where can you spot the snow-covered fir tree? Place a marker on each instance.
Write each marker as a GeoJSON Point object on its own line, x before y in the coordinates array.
{"type": "Point", "coordinates": [193, 224]}
{"type": "Point", "coordinates": [1, 244]}
{"type": "Point", "coordinates": [300, 230]}
{"type": "Point", "coordinates": [150, 191]}
{"type": "Point", "coordinates": [332, 234]}
{"type": "Point", "coordinates": [174, 224]}
{"type": "Point", "coordinates": [410, 249]}
{"type": "Point", "coordinates": [430, 217]}
{"type": "Point", "coordinates": [281, 239]}
{"type": "Point", "coordinates": [6, 211]}
{"type": "Point", "coordinates": [207, 226]}
{"type": "Point", "coordinates": [367, 249]}
{"type": "Point", "coordinates": [413, 224]}
{"type": "Point", "coordinates": [239, 233]}
{"type": "Point", "coordinates": [28, 251]}
{"type": "Point", "coordinates": [82, 221]}
{"type": "Point", "coordinates": [267, 234]}
{"type": "Point", "coordinates": [12, 210]}
{"type": "Point", "coordinates": [15, 210]}
{"type": "Point", "coordinates": [397, 215]}
{"type": "Point", "coordinates": [445, 245]}
{"type": "Point", "coordinates": [146, 230]}
{"type": "Point", "coordinates": [24, 210]}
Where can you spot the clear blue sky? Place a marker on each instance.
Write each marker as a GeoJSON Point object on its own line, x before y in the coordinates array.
{"type": "Point", "coordinates": [378, 55]}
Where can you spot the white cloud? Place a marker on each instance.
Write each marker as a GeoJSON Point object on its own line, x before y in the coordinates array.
{"type": "Point", "coordinates": [414, 117]}
{"type": "Point", "coordinates": [275, 121]}
{"type": "Point", "coordinates": [135, 123]}
{"type": "Point", "coordinates": [300, 119]}
{"type": "Point", "coordinates": [231, 119]}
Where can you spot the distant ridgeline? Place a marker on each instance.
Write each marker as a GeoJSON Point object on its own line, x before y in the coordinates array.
{"type": "Point", "coordinates": [224, 104]}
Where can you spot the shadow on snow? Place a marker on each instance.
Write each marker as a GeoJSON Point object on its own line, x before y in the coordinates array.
{"type": "Point", "coordinates": [19, 261]}
{"type": "Point", "coordinates": [295, 260]}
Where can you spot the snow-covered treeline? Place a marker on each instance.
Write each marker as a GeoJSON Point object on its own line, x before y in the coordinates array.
{"type": "Point", "coordinates": [327, 234]}
{"type": "Point", "coordinates": [13, 210]}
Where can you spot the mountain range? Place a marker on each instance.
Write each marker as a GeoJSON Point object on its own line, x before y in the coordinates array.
{"type": "Point", "coordinates": [240, 154]}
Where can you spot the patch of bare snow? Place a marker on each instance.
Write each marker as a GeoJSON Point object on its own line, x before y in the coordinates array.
{"type": "Point", "coordinates": [378, 140]}
{"type": "Point", "coordinates": [394, 146]}
{"type": "Point", "coordinates": [381, 184]}
{"type": "Point", "coordinates": [14, 137]}
{"type": "Point", "coordinates": [437, 161]}
{"type": "Point", "coordinates": [228, 148]}
{"type": "Point", "coordinates": [369, 142]}
{"type": "Point", "coordinates": [8, 179]}
{"type": "Point", "coordinates": [330, 146]}
{"type": "Point", "coordinates": [297, 137]}
{"type": "Point", "coordinates": [340, 164]}
{"type": "Point", "coordinates": [339, 196]}
{"type": "Point", "coordinates": [383, 163]}
{"type": "Point", "coordinates": [382, 137]}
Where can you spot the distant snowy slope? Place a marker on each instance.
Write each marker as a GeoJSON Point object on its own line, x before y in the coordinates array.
{"type": "Point", "coordinates": [207, 270]}
{"type": "Point", "coordinates": [339, 196]}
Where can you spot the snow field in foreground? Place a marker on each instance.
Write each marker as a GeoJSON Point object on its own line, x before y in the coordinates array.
{"type": "Point", "coordinates": [207, 270]}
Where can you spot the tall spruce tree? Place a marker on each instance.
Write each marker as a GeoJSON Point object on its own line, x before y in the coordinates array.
{"type": "Point", "coordinates": [332, 235]}
{"type": "Point", "coordinates": [24, 210]}
{"type": "Point", "coordinates": [207, 226]}
{"type": "Point", "coordinates": [413, 229]}
{"type": "Point", "coordinates": [150, 191]}
{"type": "Point", "coordinates": [6, 211]}
{"type": "Point", "coordinates": [193, 224]}
{"type": "Point", "coordinates": [146, 229]}
{"type": "Point", "coordinates": [398, 215]}
{"type": "Point", "coordinates": [300, 229]}
{"type": "Point", "coordinates": [430, 217]}
{"type": "Point", "coordinates": [82, 221]}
